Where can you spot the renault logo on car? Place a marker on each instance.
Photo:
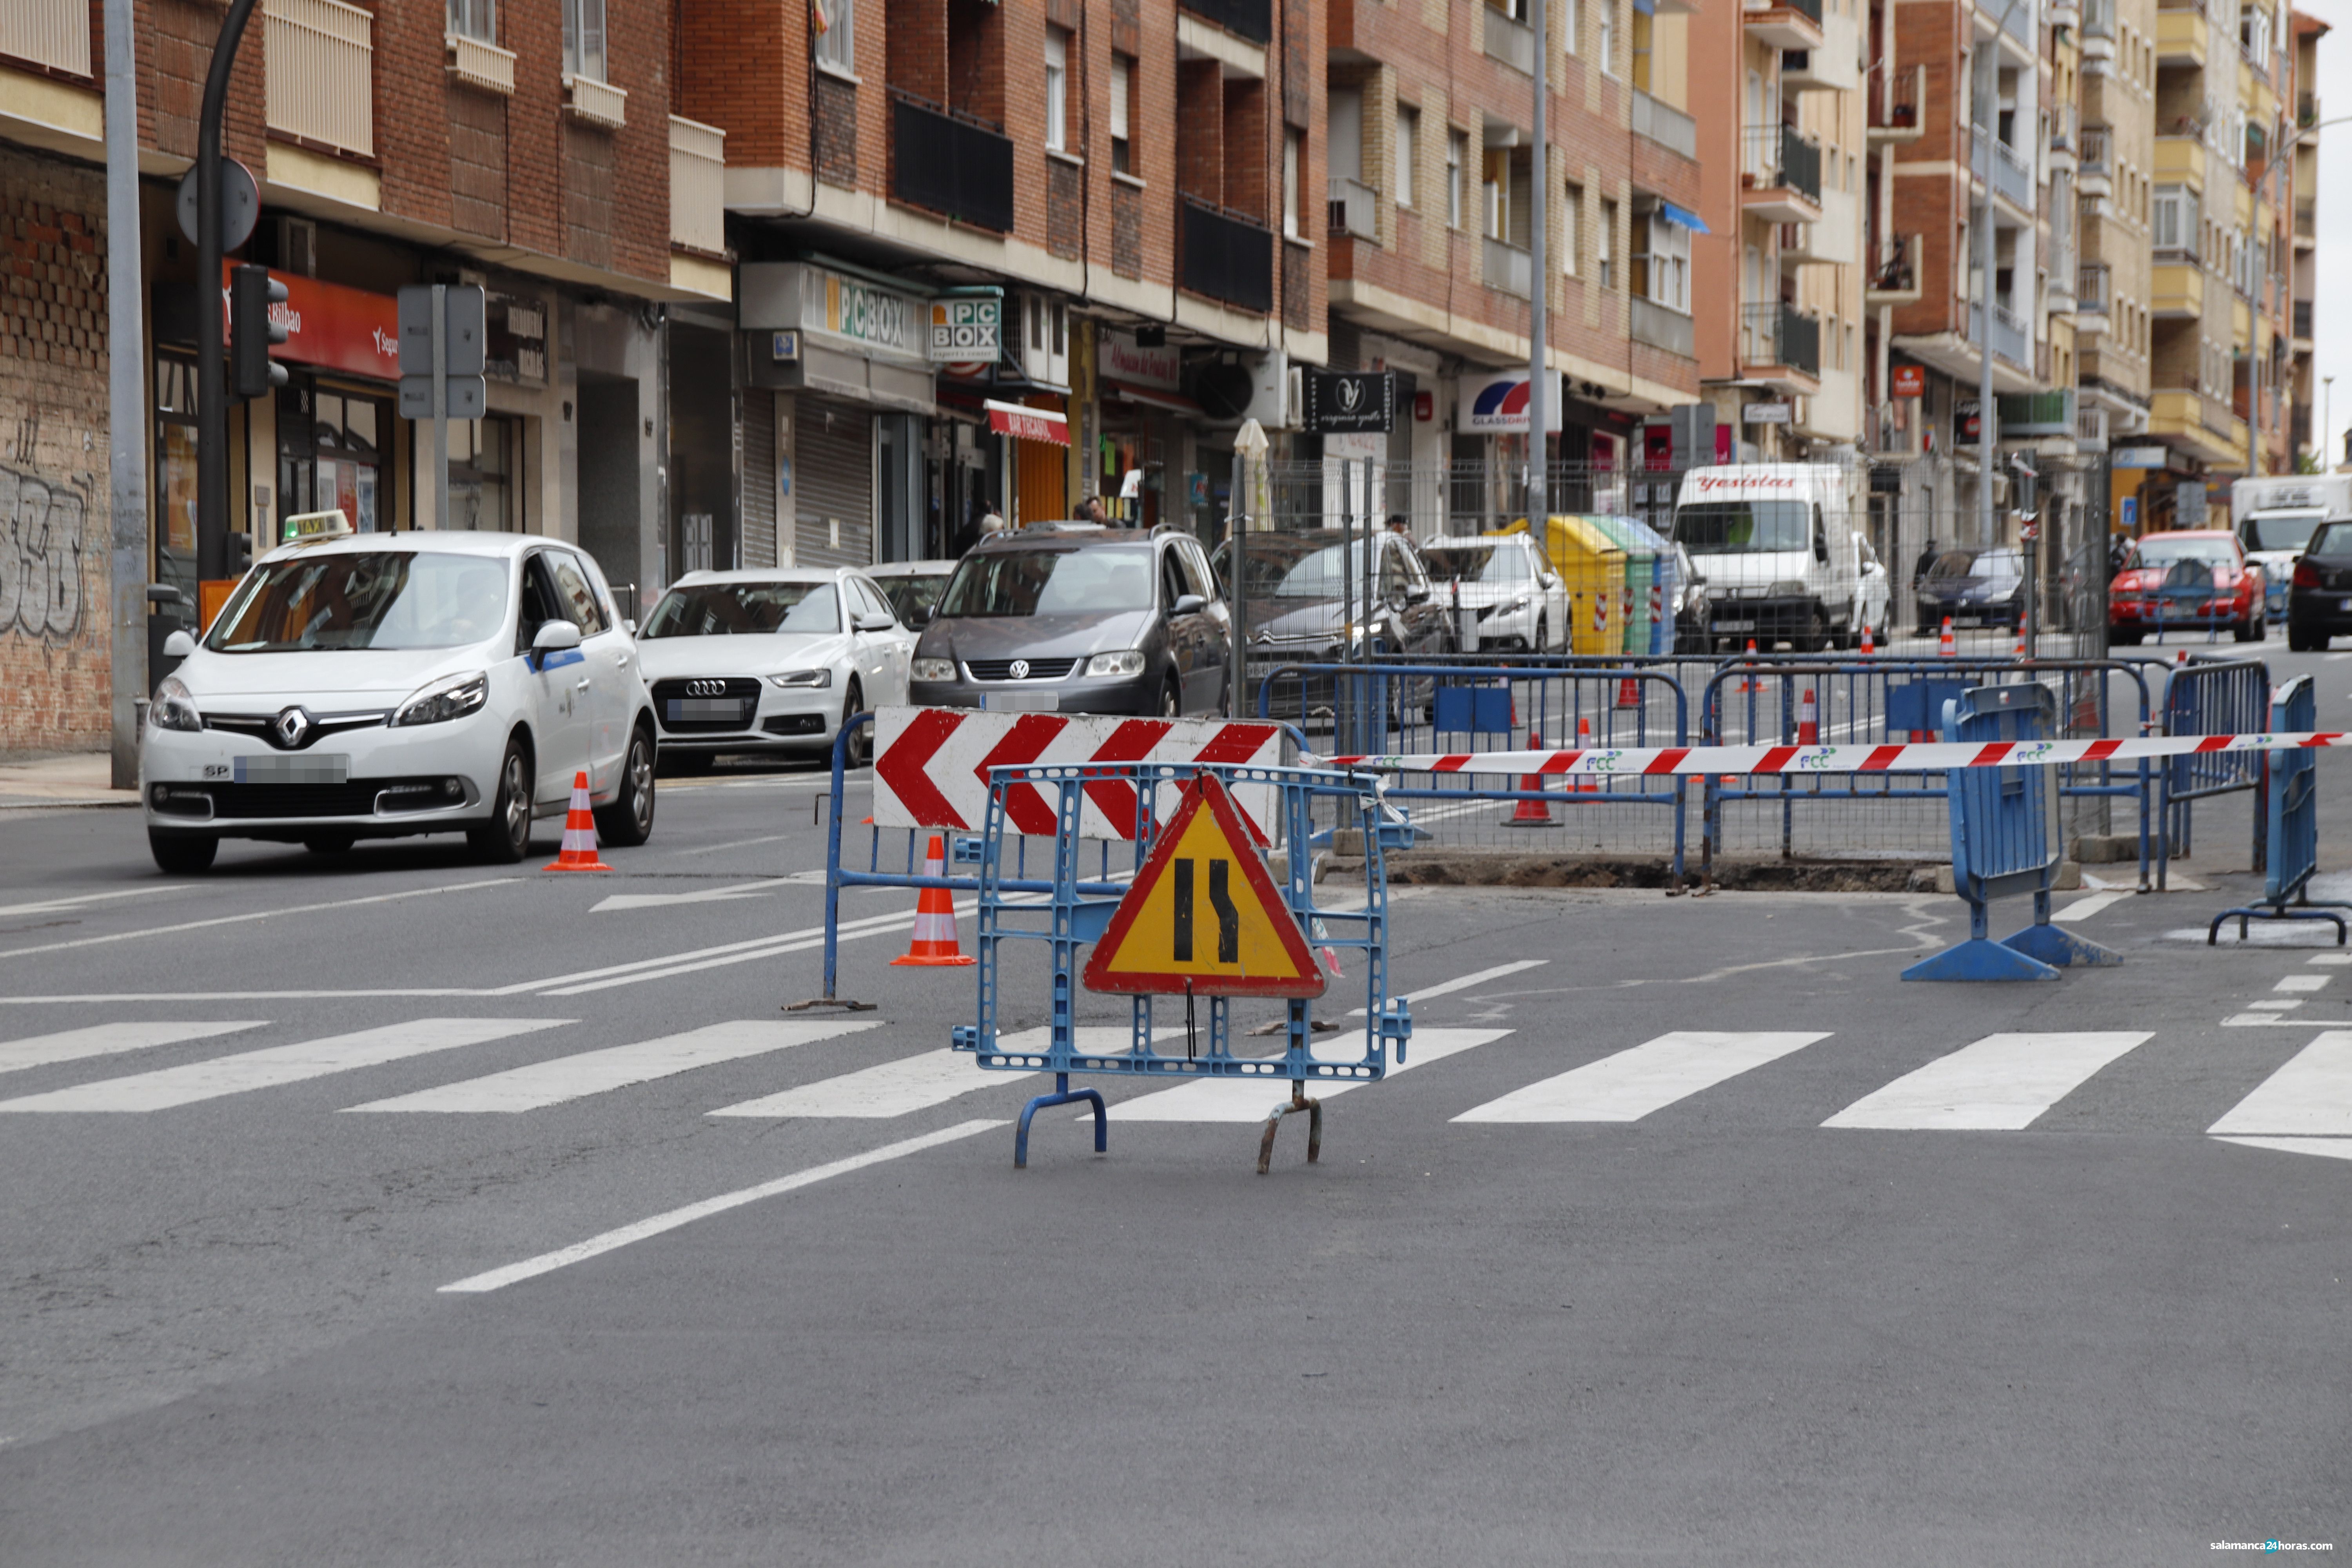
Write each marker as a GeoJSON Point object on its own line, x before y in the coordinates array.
{"type": "Point", "coordinates": [706, 688]}
{"type": "Point", "coordinates": [291, 725]}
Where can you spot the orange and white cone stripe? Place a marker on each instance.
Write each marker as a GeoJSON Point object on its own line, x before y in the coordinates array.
{"type": "Point", "coordinates": [578, 853]}
{"type": "Point", "coordinates": [935, 943]}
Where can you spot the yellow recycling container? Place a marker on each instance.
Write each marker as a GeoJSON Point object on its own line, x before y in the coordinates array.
{"type": "Point", "coordinates": [1591, 566]}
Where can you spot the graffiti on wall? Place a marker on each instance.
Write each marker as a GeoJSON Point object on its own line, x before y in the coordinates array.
{"type": "Point", "coordinates": [41, 547]}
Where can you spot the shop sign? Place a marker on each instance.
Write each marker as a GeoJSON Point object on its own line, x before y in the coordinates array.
{"type": "Point", "coordinates": [517, 338]}
{"type": "Point", "coordinates": [867, 314]}
{"type": "Point", "coordinates": [2142, 456]}
{"type": "Point", "coordinates": [1765, 412]}
{"type": "Point", "coordinates": [1498, 405]}
{"type": "Point", "coordinates": [1343, 401]}
{"type": "Point", "coordinates": [966, 331]}
{"type": "Point", "coordinates": [1907, 380]}
{"type": "Point", "coordinates": [1121, 360]}
{"type": "Point", "coordinates": [331, 326]}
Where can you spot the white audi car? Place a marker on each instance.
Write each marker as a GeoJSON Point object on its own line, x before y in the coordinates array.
{"type": "Point", "coordinates": [379, 685]}
{"type": "Point", "coordinates": [771, 660]}
{"type": "Point", "coordinates": [1522, 601]}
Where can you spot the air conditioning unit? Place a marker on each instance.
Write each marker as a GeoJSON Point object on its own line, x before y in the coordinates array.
{"type": "Point", "coordinates": [1236, 386]}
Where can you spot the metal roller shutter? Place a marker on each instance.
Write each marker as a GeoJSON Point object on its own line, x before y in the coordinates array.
{"type": "Point", "coordinates": [759, 418]}
{"type": "Point", "coordinates": [834, 482]}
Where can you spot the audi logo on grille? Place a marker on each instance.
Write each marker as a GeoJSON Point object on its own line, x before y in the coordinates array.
{"type": "Point", "coordinates": [1019, 669]}
{"type": "Point", "coordinates": [706, 688]}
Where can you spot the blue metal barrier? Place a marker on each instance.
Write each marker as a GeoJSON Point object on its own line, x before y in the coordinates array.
{"type": "Point", "coordinates": [2005, 841]}
{"type": "Point", "coordinates": [1073, 913]}
{"type": "Point", "coordinates": [2229, 697]}
{"type": "Point", "coordinates": [2291, 798]}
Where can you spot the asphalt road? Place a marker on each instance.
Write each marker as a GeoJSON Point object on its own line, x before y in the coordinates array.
{"type": "Point", "coordinates": [1808, 1265]}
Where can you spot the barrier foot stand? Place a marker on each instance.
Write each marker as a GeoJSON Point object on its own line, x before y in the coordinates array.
{"type": "Point", "coordinates": [2275, 912]}
{"type": "Point", "coordinates": [2060, 949]}
{"type": "Point", "coordinates": [1062, 1095]}
{"type": "Point", "coordinates": [1980, 959]}
{"type": "Point", "coordinates": [1299, 1102]}
{"type": "Point", "coordinates": [843, 1003]}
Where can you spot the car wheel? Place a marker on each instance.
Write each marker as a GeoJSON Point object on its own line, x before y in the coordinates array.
{"type": "Point", "coordinates": [330, 843]}
{"type": "Point", "coordinates": [629, 820]}
{"type": "Point", "coordinates": [2242, 631]}
{"type": "Point", "coordinates": [1543, 636]}
{"type": "Point", "coordinates": [505, 839]}
{"type": "Point", "coordinates": [861, 744]}
{"type": "Point", "coordinates": [2301, 641]}
{"type": "Point", "coordinates": [1171, 702]}
{"type": "Point", "coordinates": [182, 854]}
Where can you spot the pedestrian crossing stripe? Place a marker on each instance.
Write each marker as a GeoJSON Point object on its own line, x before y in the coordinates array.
{"type": "Point", "coordinates": [1632, 1084]}
{"type": "Point", "coordinates": [1249, 945]}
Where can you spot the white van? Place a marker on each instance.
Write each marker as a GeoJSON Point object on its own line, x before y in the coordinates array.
{"type": "Point", "coordinates": [2273, 519]}
{"type": "Point", "coordinates": [1778, 547]}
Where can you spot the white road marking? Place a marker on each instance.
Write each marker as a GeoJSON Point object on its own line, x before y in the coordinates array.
{"type": "Point", "coordinates": [850, 931]}
{"type": "Point", "coordinates": [2328, 1147]}
{"type": "Point", "coordinates": [611, 1240]}
{"type": "Point", "coordinates": [2266, 1012]}
{"type": "Point", "coordinates": [701, 896]}
{"type": "Point", "coordinates": [2083, 908]}
{"type": "Point", "coordinates": [267, 914]}
{"type": "Point", "coordinates": [2336, 958]}
{"type": "Point", "coordinates": [2002, 1083]}
{"type": "Point", "coordinates": [598, 1072]}
{"type": "Point", "coordinates": [105, 1040]}
{"type": "Point", "coordinates": [45, 905]}
{"type": "Point", "coordinates": [910, 1083]}
{"type": "Point", "coordinates": [2310, 1095]}
{"type": "Point", "coordinates": [279, 1065]}
{"type": "Point", "coordinates": [2303, 983]}
{"type": "Point", "coordinates": [1630, 1084]}
{"type": "Point", "coordinates": [733, 843]}
{"type": "Point", "coordinates": [1446, 988]}
{"type": "Point", "coordinates": [2275, 1005]}
{"type": "Point", "coordinates": [1249, 1098]}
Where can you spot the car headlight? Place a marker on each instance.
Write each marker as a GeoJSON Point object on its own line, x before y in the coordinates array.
{"type": "Point", "coordinates": [934, 669]}
{"type": "Point", "coordinates": [172, 707]}
{"type": "Point", "coordinates": [803, 678]}
{"type": "Point", "coordinates": [451, 696]}
{"type": "Point", "coordinates": [1126, 661]}
{"type": "Point", "coordinates": [1518, 603]}
{"type": "Point", "coordinates": [1788, 590]}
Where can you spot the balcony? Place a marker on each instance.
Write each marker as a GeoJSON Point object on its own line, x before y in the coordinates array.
{"type": "Point", "coordinates": [321, 73]}
{"type": "Point", "coordinates": [597, 103]}
{"type": "Point", "coordinates": [2180, 36]}
{"type": "Point", "coordinates": [2180, 158]}
{"type": "Point", "coordinates": [1354, 209]}
{"type": "Point", "coordinates": [2090, 300]}
{"type": "Point", "coordinates": [53, 33]}
{"type": "Point", "coordinates": [2016, 20]}
{"type": "Point", "coordinates": [2306, 219]}
{"type": "Point", "coordinates": [2203, 427]}
{"type": "Point", "coordinates": [1507, 268]}
{"type": "Point", "coordinates": [2011, 342]}
{"type": "Point", "coordinates": [2099, 19]}
{"type": "Point", "coordinates": [1787, 24]}
{"type": "Point", "coordinates": [1251, 19]}
{"type": "Point", "coordinates": [2303, 320]}
{"type": "Point", "coordinates": [2025, 415]}
{"type": "Point", "coordinates": [1781, 179]}
{"type": "Point", "coordinates": [953, 164]}
{"type": "Point", "coordinates": [2090, 429]}
{"type": "Point", "coordinates": [1224, 257]}
{"type": "Point", "coordinates": [1894, 273]}
{"type": "Point", "coordinates": [2307, 110]}
{"type": "Point", "coordinates": [697, 185]}
{"type": "Point", "coordinates": [2095, 171]}
{"type": "Point", "coordinates": [1669, 127]}
{"type": "Point", "coordinates": [1894, 104]}
{"type": "Point", "coordinates": [480, 65]}
{"type": "Point", "coordinates": [1780, 346]}
{"type": "Point", "coordinates": [2012, 175]}
{"type": "Point", "coordinates": [1662, 327]}
{"type": "Point", "coordinates": [1513, 43]}
{"type": "Point", "coordinates": [2065, 131]}
{"type": "Point", "coordinates": [2177, 287]}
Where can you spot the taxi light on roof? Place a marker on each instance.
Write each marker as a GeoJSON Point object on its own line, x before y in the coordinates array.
{"type": "Point", "coordinates": [308, 526]}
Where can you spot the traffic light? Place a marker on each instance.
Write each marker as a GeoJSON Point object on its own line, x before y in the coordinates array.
{"type": "Point", "coordinates": [251, 291]}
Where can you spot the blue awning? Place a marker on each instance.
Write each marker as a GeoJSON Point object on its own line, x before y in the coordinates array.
{"type": "Point", "coordinates": [1681, 217]}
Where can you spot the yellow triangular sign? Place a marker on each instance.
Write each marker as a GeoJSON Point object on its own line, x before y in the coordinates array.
{"type": "Point", "coordinates": [1203, 915]}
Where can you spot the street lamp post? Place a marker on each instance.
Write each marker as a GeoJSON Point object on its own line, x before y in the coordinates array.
{"type": "Point", "coordinates": [1981, 114]}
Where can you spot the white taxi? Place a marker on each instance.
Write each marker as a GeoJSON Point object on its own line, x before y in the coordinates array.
{"type": "Point", "coordinates": [773, 660]}
{"type": "Point", "coordinates": [386, 684]}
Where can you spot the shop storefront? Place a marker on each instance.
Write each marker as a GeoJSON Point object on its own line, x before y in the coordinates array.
{"type": "Point", "coordinates": [1142, 426]}
{"type": "Point", "coordinates": [335, 430]}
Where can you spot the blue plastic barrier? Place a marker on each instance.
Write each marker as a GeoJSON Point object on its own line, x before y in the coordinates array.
{"type": "Point", "coordinates": [2291, 799]}
{"type": "Point", "coordinates": [2227, 697]}
{"type": "Point", "coordinates": [2005, 841]}
{"type": "Point", "coordinates": [1074, 914]}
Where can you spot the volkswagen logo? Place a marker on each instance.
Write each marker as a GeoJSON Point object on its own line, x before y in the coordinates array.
{"type": "Point", "coordinates": [293, 726]}
{"type": "Point", "coordinates": [1019, 669]}
{"type": "Point", "coordinates": [706, 688]}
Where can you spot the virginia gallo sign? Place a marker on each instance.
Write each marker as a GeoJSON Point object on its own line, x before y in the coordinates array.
{"type": "Point", "coordinates": [1340, 402]}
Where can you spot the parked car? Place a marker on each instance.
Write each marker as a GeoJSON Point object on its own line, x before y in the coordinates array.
{"type": "Point", "coordinates": [914, 588]}
{"type": "Point", "coordinates": [1693, 608]}
{"type": "Point", "coordinates": [775, 661]}
{"type": "Point", "coordinates": [1981, 587]}
{"type": "Point", "coordinates": [2319, 593]}
{"type": "Point", "coordinates": [2188, 580]}
{"type": "Point", "coordinates": [1299, 590]}
{"type": "Point", "coordinates": [380, 685]}
{"type": "Point", "coordinates": [1520, 603]}
{"type": "Point", "coordinates": [1078, 618]}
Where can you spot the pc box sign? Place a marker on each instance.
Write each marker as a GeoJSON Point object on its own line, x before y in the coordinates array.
{"type": "Point", "coordinates": [1497, 404]}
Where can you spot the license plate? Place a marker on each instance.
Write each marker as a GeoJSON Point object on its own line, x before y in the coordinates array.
{"type": "Point", "coordinates": [313, 768]}
{"type": "Point", "coordinates": [1020, 702]}
{"type": "Point", "coordinates": [2348, 606]}
{"type": "Point", "coordinates": [704, 709]}
{"type": "Point", "coordinates": [1735, 625]}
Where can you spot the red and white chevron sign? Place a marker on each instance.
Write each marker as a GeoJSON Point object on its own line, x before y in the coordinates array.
{"type": "Point", "coordinates": [1938, 756]}
{"type": "Point", "coordinates": [931, 764]}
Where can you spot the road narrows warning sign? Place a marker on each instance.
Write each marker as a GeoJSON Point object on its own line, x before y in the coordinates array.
{"type": "Point", "coordinates": [1203, 915]}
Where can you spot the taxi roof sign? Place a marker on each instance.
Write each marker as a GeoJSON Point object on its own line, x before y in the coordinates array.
{"type": "Point", "coordinates": [1203, 915]}
{"type": "Point", "coordinates": [309, 527]}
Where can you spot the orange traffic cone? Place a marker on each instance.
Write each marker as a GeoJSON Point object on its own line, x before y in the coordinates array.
{"type": "Point", "coordinates": [1868, 647]}
{"type": "Point", "coordinates": [1629, 693]}
{"type": "Point", "coordinates": [1809, 725]}
{"type": "Point", "coordinates": [1585, 782]}
{"type": "Point", "coordinates": [2019, 652]}
{"type": "Point", "coordinates": [1532, 813]}
{"type": "Point", "coordinates": [934, 946]}
{"type": "Point", "coordinates": [579, 833]}
{"type": "Point", "coordinates": [1945, 646]}
{"type": "Point", "coordinates": [1749, 682]}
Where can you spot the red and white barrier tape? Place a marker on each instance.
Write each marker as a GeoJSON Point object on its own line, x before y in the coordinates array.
{"type": "Point", "coordinates": [1935, 756]}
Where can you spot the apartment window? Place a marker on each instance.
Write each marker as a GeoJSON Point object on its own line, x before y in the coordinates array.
{"type": "Point", "coordinates": [1575, 19]}
{"type": "Point", "coordinates": [482, 492]}
{"type": "Point", "coordinates": [1608, 41]}
{"type": "Point", "coordinates": [837, 33]}
{"type": "Point", "coordinates": [1605, 245]}
{"type": "Point", "coordinates": [1293, 155]}
{"type": "Point", "coordinates": [1408, 143]}
{"type": "Point", "coordinates": [1640, 31]}
{"type": "Point", "coordinates": [2176, 219]}
{"type": "Point", "coordinates": [1457, 154]}
{"type": "Point", "coordinates": [1122, 90]}
{"type": "Point", "coordinates": [1661, 262]}
{"type": "Point", "coordinates": [583, 38]}
{"type": "Point", "coordinates": [475, 19]}
{"type": "Point", "coordinates": [1571, 228]}
{"type": "Point", "coordinates": [1057, 88]}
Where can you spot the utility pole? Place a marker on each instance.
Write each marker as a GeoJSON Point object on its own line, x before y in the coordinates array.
{"type": "Point", "coordinates": [1988, 418]}
{"type": "Point", "coordinates": [1539, 284]}
{"type": "Point", "coordinates": [212, 393]}
{"type": "Point", "coordinates": [126, 407]}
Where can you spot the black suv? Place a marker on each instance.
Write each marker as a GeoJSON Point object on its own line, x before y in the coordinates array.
{"type": "Point", "coordinates": [1072, 617]}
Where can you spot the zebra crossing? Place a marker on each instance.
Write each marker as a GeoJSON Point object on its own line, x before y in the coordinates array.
{"type": "Point", "coordinates": [2005, 1082]}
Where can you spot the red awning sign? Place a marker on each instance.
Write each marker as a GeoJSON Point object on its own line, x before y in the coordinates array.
{"type": "Point", "coordinates": [1027, 424]}
{"type": "Point", "coordinates": [332, 326]}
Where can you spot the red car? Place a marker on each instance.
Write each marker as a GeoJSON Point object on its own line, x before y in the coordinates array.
{"type": "Point", "coordinates": [2189, 580]}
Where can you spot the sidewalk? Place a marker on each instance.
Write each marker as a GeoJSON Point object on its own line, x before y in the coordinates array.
{"type": "Point", "coordinates": [81, 778]}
